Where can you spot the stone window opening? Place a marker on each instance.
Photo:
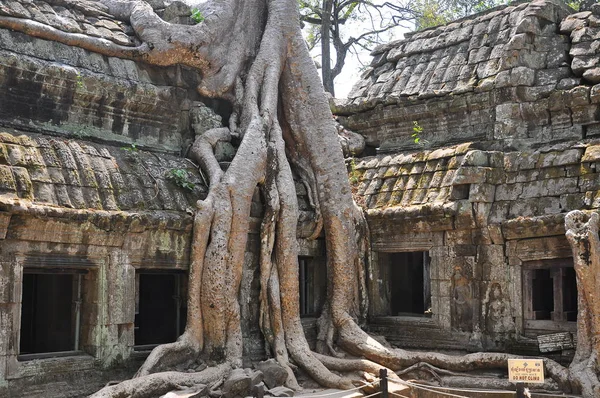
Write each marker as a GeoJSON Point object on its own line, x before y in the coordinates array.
{"type": "Point", "coordinates": [409, 284]}
{"type": "Point", "coordinates": [160, 308]}
{"type": "Point", "coordinates": [50, 313]}
{"type": "Point", "coordinates": [550, 291]}
{"type": "Point", "coordinates": [312, 285]}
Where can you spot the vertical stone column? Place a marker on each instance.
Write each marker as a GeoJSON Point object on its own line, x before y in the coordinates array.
{"type": "Point", "coordinates": [440, 287]}
{"type": "Point", "coordinates": [496, 312]}
{"type": "Point", "coordinates": [11, 274]}
{"type": "Point", "coordinates": [515, 274]}
{"type": "Point", "coordinates": [114, 334]}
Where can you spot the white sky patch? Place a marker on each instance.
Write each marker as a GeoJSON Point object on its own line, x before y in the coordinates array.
{"type": "Point", "coordinates": [355, 63]}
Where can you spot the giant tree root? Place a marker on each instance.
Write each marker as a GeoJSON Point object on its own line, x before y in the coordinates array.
{"type": "Point", "coordinates": [156, 384]}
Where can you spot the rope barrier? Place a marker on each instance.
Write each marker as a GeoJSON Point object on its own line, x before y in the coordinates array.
{"type": "Point", "coordinates": [398, 395]}
{"type": "Point", "coordinates": [467, 389]}
{"type": "Point", "coordinates": [432, 390]}
{"type": "Point", "coordinates": [491, 391]}
{"type": "Point", "coordinates": [372, 395]}
{"type": "Point", "coordinates": [347, 391]}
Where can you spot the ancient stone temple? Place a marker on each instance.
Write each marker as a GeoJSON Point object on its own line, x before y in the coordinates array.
{"type": "Point", "coordinates": [483, 133]}
{"type": "Point", "coordinates": [480, 135]}
{"type": "Point", "coordinates": [97, 202]}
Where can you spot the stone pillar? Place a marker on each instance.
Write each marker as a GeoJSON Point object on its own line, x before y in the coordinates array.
{"type": "Point", "coordinates": [440, 286]}
{"type": "Point", "coordinates": [11, 273]}
{"type": "Point", "coordinates": [113, 333]}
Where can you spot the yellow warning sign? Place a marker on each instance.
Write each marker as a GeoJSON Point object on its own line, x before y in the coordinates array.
{"type": "Point", "coordinates": [526, 370]}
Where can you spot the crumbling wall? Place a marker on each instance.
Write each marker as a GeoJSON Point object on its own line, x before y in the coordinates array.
{"type": "Point", "coordinates": [485, 218]}
{"type": "Point", "coordinates": [51, 87]}
{"type": "Point", "coordinates": [510, 100]}
{"type": "Point", "coordinates": [493, 77]}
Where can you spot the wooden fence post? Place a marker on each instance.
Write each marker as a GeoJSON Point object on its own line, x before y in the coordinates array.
{"type": "Point", "coordinates": [383, 383]}
{"type": "Point", "coordinates": [520, 390]}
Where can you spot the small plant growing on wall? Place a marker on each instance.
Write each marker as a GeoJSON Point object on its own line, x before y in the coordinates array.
{"type": "Point", "coordinates": [181, 178]}
{"type": "Point", "coordinates": [79, 80]}
{"type": "Point", "coordinates": [353, 175]}
{"type": "Point", "coordinates": [131, 152]}
{"type": "Point", "coordinates": [416, 135]}
{"type": "Point", "coordinates": [417, 130]}
{"type": "Point", "coordinates": [130, 149]}
{"type": "Point", "coordinates": [197, 15]}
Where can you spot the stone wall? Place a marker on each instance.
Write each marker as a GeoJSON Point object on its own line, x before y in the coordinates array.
{"type": "Point", "coordinates": [505, 108]}
{"type": "Point", "coordinates": [493, 77]}
{"type": "Point", "coordinates": [50, 87]}
{"type": "Point", "coordinates": [483, 216]}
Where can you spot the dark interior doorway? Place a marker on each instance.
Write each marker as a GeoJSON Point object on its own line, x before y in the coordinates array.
{"type": "Point", "coordinates": [542, 294]}
{"type": "Point", "coordinates": [549, 292]}
{"type": "Point", "coordinates": [312, 281]}
{"type": "Point", "coordinates": [569, 291]}
{"type": "Point", "coordinates": [160, 315]}
{"type": "Point", "coordinates": [409, 283]}
{"type": "Point", "coordinates": [49, 312]}
{"type": "Point", "coordinates": [306, 280]}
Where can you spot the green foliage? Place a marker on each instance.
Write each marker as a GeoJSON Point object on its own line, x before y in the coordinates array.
{"type": "Point", "coordinates": [79, 80]}
{"type": "Point", "coordinates": [181, 178]}
{"type": "Point", "coordinates": [197, 15]}
{"type": "Point", "coordinates": [416, 135]}
{"type": "Point", "coordinates": [353, 175]}
{"type": "Point", "coordinates": [131, 148]}
{"type": "Point", "coordinates": [432, 13]}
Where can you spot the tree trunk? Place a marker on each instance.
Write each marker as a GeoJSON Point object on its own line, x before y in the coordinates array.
{"type": "Point", "coordinates": [326, 47]}
{"type": "Point", "coordinates": [582, 234]}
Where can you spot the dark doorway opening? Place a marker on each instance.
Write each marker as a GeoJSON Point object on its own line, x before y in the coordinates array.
{"type": "Point", "coordinates": [569, 291]}
{"type": "Point", "coordinates": [50, 312]}
{"type": "Point", "coordinates": [160, 312]}
{"type": "Point", "coordinates": [409, 283]}
{"type": "Point", "coordinates": [312, 284]}
{"type": "Point", "coordinates": [306, 279]}
{"type": "Point", "coordinates": [549, 291]}
{"type": "Point", "coordinates": [542, 294]}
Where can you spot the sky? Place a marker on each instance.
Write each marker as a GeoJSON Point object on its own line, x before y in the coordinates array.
{"type": "Point", "coordinates": [353, 68]}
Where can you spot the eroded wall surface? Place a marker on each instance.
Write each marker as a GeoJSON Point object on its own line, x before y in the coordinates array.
{"type": "Point", "coordinates": [88, 149]}
{"type": "Point", "coordinates": [486, 131]}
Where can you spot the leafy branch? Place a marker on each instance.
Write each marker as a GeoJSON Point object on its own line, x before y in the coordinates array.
{"type": "Point", "coordinates": [197, 15]}
{"type": "Point", "coordinates": [181, 178]}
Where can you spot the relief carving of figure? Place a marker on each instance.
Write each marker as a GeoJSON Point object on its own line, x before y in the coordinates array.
{"type": "Point", "coordinates": [462, 297]}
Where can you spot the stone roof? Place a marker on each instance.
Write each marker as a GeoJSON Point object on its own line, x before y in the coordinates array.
{"type": "Point", "coordinates": [515, 45]}
{"type": "Point", "coordinates": [449, 186]}
{"type": "Point", "coordinates": [86, 17]}
{"type": "Point", "coordinates": [56, 172]}
{"type": "Point", "coordinates": [417, 183]}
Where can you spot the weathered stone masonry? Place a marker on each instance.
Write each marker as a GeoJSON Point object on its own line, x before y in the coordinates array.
{"type": "Point", "coordinates": [89, 205]}
{"type": "Point", "coordinates": [512, 92]}
{"type": "Point", "coordinates": [91, 211]}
